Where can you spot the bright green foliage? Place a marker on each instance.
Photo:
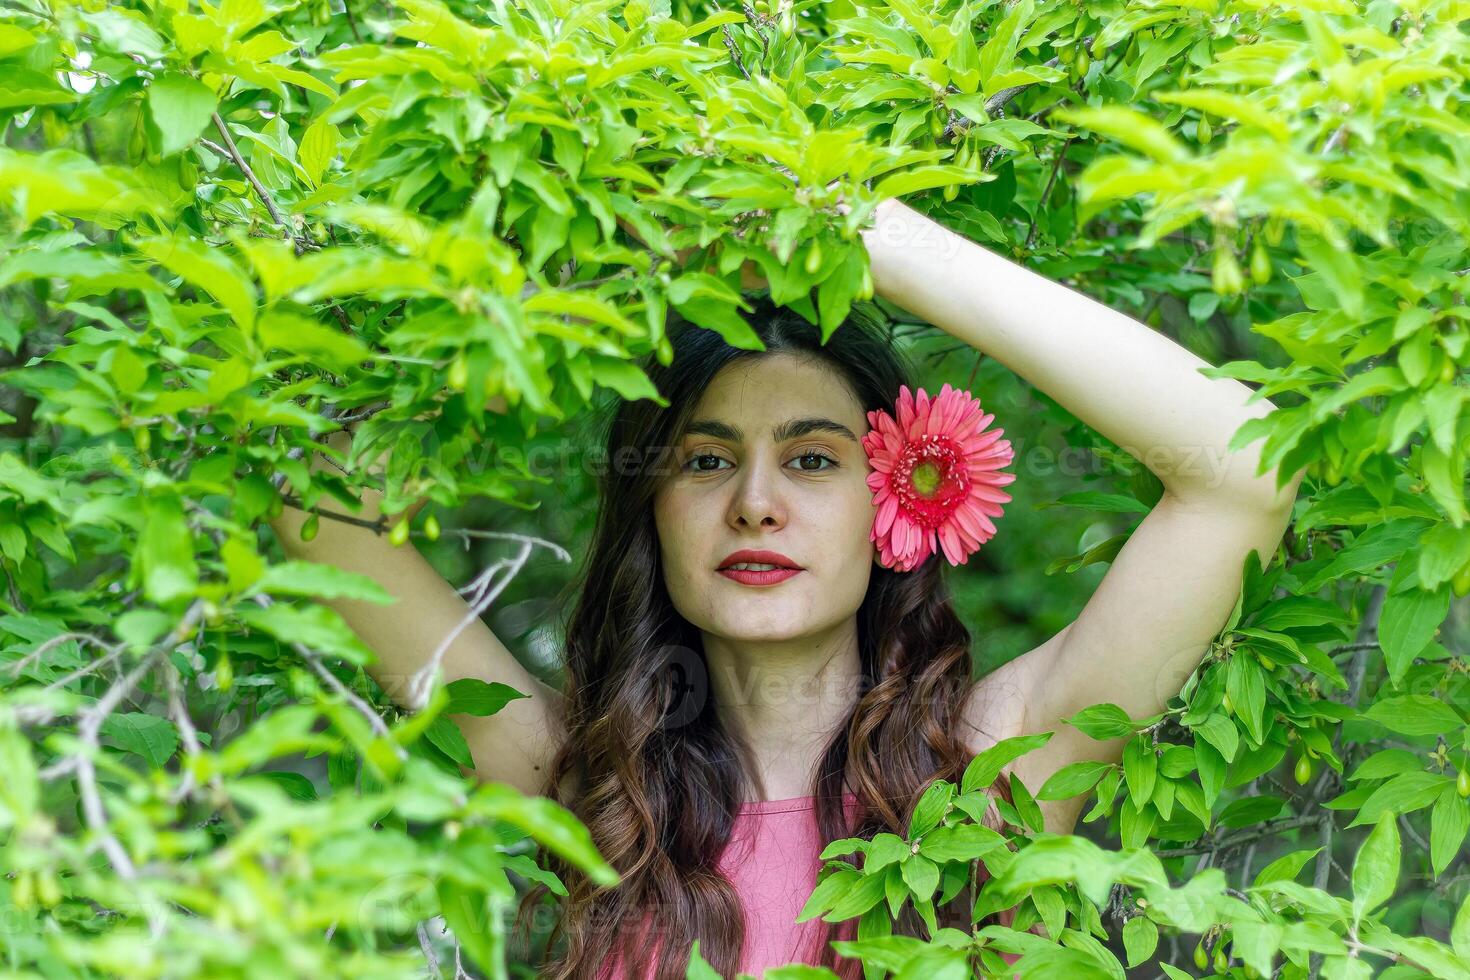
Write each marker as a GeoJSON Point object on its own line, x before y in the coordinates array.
{"type": "Point", "coordinates": [224, 226]}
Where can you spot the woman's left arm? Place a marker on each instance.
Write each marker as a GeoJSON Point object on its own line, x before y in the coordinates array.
{"type": "Point", "coordinates": [1174, 583]}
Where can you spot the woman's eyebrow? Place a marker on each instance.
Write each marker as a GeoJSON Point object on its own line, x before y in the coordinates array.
{"type": "Point", "coordinates": [790, 429]}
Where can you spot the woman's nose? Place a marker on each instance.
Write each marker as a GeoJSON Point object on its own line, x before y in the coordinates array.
{"type": "Point", "coordinates": [758, 499]}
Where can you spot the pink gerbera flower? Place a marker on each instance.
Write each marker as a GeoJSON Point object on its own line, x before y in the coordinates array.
{"type": "Point", "coordinates": [936, 473]}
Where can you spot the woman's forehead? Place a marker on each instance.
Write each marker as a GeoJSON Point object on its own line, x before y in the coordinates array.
{"type": "Point", "coordinates": [769, 390]}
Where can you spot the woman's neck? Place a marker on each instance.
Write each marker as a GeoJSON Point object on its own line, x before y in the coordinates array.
{"type": "Point", "coordinates": [785, 700]}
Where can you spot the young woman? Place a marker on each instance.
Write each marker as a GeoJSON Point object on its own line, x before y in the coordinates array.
{"type": "Point", "coordinates": [716, 727]}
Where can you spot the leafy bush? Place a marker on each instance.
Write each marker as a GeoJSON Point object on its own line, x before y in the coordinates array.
{"type": "Point", "coordinates": [230, 227]}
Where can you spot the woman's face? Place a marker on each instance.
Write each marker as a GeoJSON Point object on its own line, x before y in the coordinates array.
{"type": "Point", "coordinates": [734, 485]}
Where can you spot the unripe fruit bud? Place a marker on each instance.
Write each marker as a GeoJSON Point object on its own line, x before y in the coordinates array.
{"type": "Point", "coordinates": [309, 527]}
{"type": "Point", "coordinates": [399, 533]}
{"type": "Point", "coordinates": [1461, 582]}
{"type": "Point", "coordinates": [865, 285]}
{"type": "Point", "coordinates": [47, 888]}
{"type": "Point", "coordinates": [1462, 782]}
{"type": "Point", "coordinates": [459, 373]}
{"type": "Point", "coordinates": [23, 890]}
{"type": "Point", "coordinates": [1202, 129]}
{"type": "Point", "coordinates": [431, 528]}
{"type": "Point", "coordinates": [1447, 371]}
{"type": "Point", "coordinates": [951, 191]}
{"type": "Point", "coordinates": [224, 672]}
{"type": "Point", "coordinates": [142, 438]}
{"type": "Point", "coordinates": [1260, 263]}
{"type": "Point", "coordinates": [1082, 63]}
{"type": "Point", "coordinates": [1222, 962]}
{"type": "Point", "coordinates": [277, 505]}
{"type": "Point", "coordinates": [1201, 958]}
{"type": "Point", "coordinates": [1303, 770]}
{"type": "Point", "coordinates": [813, 259]}
{"type": "Point", "coordinates": [1226, 279]}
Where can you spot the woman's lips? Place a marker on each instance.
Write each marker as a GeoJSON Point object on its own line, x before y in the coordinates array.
{"type": "Point", "coordinates": [749, 576]}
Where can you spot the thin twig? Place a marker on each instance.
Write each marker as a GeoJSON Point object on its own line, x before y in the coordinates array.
{"type": "Point", "coordinates": [89, 729]}
{"type": "Point", "coordinates": [419, 684]}
{"type": "Point", "coordinates": [1046, 191]}
{"type": "Point", "coordinates": [734, 51]}
{"type": "Point", "coordinates": [1245, 837]}
{"type": "Point", "coordinates": [261, 192]}
{"type": "Point", "coordinates": [113, 651]}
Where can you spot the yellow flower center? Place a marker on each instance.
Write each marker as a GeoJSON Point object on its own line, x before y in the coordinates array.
{"type": "Point", "coordinates": [925, 477]}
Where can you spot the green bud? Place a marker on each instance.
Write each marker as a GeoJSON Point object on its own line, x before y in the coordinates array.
{"type": "Point", "coordinates": [459, 373]}
{"type": "Point", "coordinates": [813, 259]}
{"type": "Point", "coordinates": [1260, 263]}
{"type": "Point", "coordinates": [399, 533]}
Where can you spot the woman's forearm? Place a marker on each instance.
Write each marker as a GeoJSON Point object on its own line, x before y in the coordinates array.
{"type": "Point", "coordinates": [1137, 387]}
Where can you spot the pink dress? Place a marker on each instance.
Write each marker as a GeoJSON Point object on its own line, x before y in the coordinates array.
{"type": "Point", "coordinates": [772, 860]}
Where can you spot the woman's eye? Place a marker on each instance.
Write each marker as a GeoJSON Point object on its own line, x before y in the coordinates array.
{"type": "Point", "coordinates": [816, 455]}
{"type": "Point", "coordinates": [691, 464]}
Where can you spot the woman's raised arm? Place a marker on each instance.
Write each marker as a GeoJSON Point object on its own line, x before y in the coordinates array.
{"type": "Point", "coordinates": [515, 745]}
{"type": "Point", "coordinates": [1174, 583]}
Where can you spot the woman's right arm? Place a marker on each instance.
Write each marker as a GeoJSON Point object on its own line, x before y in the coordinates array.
{"type": "Point", "coordinates": [515, 745]}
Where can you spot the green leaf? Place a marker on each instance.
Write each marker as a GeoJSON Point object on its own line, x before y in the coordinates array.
{"type": "Point", "coordinates": [1376, 868]}
{"type": "Point", "coordinates": [472, 696]}
{"type": "Point", "coordinates": [861, 896]}
{"type": "Point", "coordinates": [828, 891]}
{"type": "Point", "coordinates": [165, 552]}
{"type": "Point", "coordinates": [297, 786]}
{"type": "Point", "coordinates": [624, 377]}
{"type": "Point", "coordinates": [926, 178]}
{"type": "Point", "coordinates": [1102, 721]}
{"type": "Point", "coordinates": [1140, 939]}
{"type": "Point", "coordinates": [1460, 931]}
{"type": "Point", "coordinates": [206, 269]}
{"type": "Point", "coordinates": [931, 808]}
{"type": "Point", "coordinates": [1129, 127]}
{"type": "Point", "coordinates": [1286, 867]}
{"type": "Point", "coordinates": [699, 968]}
{"type": "Point", "coordinates": [445, 735]}
{"type": "Point", "coordinates": [1140, 768]}
{"type": "Point", "coordinates": [987, 765]}
{"type": "Point", "coordinates": [1448, 823]}
{"type": "Point", "coordinates": [306, 578]}
{"type": "Point", "coordinates": [1415, 714]}
{"type": "Point", "coordinates": [921, 875]}
{"type": "Point", "coordinates": [315, 627]}
{"type": "Point", "coordinates": [141, 628]}
{"type": "Point", "coordinates": [1072, 779]}
{"type": "Point", "coordinates": [317, 148]}
{"type": "Point", "coordinates": [180, 107]}
{"type": "Point", "coordinates": [1387, 762]}
{"type": "Point", "coordinates": [1407, 625]}
{"type": "Point", "coordinates": [1220, 732]}
{"type": "Point", "coordinates": [964, 842]}
{"type": "Point", "coordinates": [1246, 685]}
{"type": "Point", "coordinates": [151, 737]}
{"type": "Point", "coordinates": [1445, 551]}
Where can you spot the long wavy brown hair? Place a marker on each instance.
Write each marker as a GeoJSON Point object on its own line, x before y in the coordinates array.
{"type": "Point", "coordinates": [646, 763]}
